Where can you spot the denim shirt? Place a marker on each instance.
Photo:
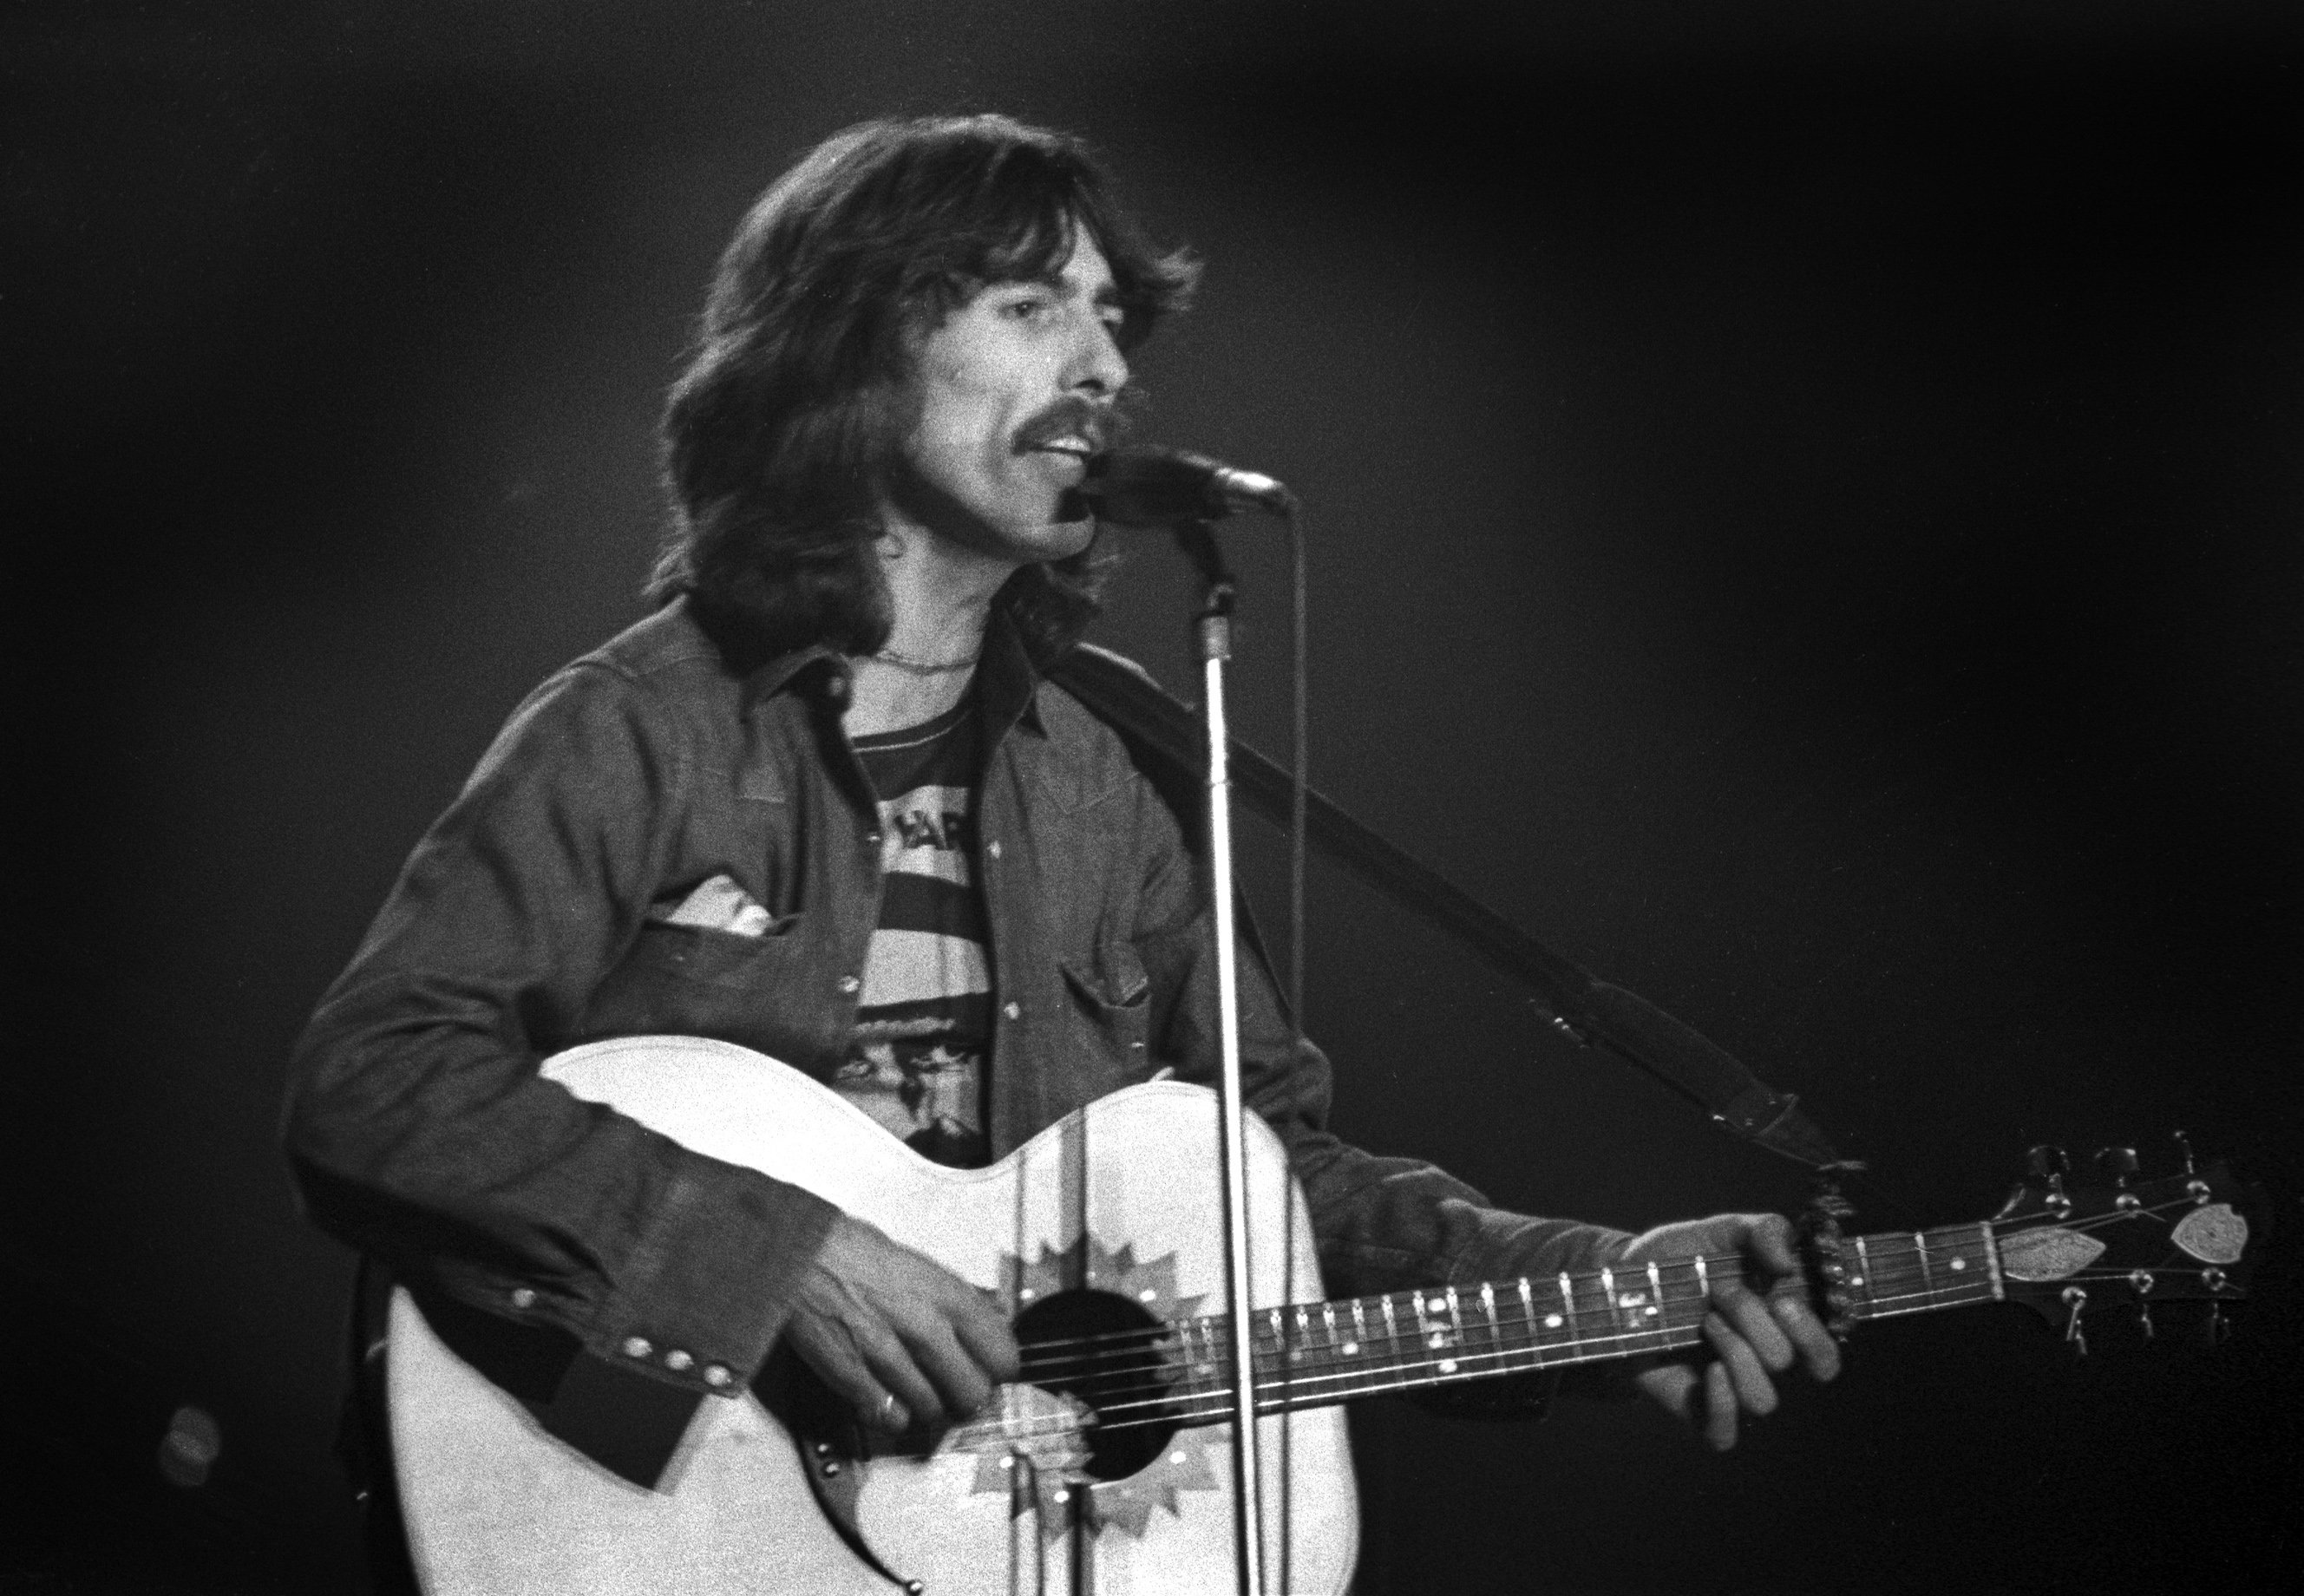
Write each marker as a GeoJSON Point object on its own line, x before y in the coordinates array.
{"type": "Point", "coordinates": [420, 1130]}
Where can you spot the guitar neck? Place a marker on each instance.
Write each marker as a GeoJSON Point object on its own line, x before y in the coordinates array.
{"type": "Point", "coordinates": [1311, 1354]}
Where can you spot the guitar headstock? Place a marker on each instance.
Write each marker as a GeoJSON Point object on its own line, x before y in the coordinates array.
{"type": "Point", "coordinates": [2068, 1251]}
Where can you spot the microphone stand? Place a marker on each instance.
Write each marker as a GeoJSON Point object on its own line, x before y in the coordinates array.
{"type": "Point", "coordinates": [1212, 632]}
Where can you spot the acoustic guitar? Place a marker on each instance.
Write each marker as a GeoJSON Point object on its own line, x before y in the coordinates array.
{"type": "Point", "coordinates": [1105, 1469]}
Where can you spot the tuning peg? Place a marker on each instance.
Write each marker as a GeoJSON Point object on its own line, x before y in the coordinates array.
{"type": "Point", "coordinates": [2048, 1165]}
{"type": "Point", "coordinates": [2194, 1187]}
{"type": "Point", "coordinates": [2076, 1300]}
{"type": "Point", "coordinates": [2120, 1163]}
{"type": "Point", "coordinates": [2140, 1281]}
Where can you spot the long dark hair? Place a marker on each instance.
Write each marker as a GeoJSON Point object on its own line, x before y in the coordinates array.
{"type": "Point", "coordinates": [776, 435]}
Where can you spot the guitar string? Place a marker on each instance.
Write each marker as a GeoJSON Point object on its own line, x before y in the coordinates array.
{"type": "Point", "coordinates": [1727, 1266]}
{"type": "Point", "coordinates": [1208, 1401]}
{"type": "Point", "coordinates": [1319, 1360]}
{"type": "Point", "coordinates": [1411, 1328]}
{"type": "Point", "coordinates": [1890, 1248]}
{"type": "Point", "coordinates": [1328, 1366]}
{"type": "Point", "coordinates": [1889, 1254]}
{"type": "Point", "coordinates": [1419, 1313]}
{"type": "Point", "coordinates": [1407, 1352]}
{"type": "Point", "coordinates": [1205, 1402]}
{"type": "Point", "coordinates": [1380, 1372]}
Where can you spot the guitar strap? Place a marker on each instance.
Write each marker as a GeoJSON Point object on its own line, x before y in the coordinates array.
{"type": "Point", "coordinates": [1162, 732]}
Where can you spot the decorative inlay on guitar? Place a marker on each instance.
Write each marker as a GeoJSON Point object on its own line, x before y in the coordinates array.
{"type": "Point", "coordinates": [1106, 1468]}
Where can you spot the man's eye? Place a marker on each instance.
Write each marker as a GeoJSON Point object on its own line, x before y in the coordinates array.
{"type": "Point", "coordinates": [1025, 309]}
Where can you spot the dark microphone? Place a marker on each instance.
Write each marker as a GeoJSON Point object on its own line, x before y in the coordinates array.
{"type": "Point", "coordinates": [1150, 487]}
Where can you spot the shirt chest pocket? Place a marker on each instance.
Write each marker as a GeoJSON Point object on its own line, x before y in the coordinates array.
{"type": "Point", "coordinates": [699, 981]}
{"type": "Point", "coordinates": [1110, 1010]}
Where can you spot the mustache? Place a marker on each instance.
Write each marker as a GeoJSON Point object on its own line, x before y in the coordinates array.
{"type": "Point", "coordinates": [1101, 424]}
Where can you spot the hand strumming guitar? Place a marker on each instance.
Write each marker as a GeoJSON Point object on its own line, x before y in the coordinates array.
{"type": "Point", "coordinates": [1753, 1333]}
{"type": "Point", "coordinates": [899, 1336]}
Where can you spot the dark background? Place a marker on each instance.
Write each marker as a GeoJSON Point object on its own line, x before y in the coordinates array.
{"type": "Point", "coordinates": [1806, 512]}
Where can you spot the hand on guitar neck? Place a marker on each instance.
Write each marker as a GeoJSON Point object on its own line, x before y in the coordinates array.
{"type": "Point", "coordinates": [1752, 1334]}
{"type": "Point", "coordinates": [899, 1336]}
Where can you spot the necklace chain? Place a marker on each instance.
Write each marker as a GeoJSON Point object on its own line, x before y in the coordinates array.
{"type": "Point", "coordinates": [905, 662]}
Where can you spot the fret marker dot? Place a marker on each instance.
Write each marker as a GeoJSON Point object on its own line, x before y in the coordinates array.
{"type": "Point", "coordinates": [1653, 1311]}
{"type": "Point", "coordinates": [1447, 1365]}
{"type": "Point", "coordinates": [1960, 1264]}
{"type": "Point", "coordinates": [1352, 1349]}
{"type": "Point", "coordinates": [1856, 1279]}
{"type": "Point", "coordinates": [1551, 1321]}
{"type": "Point", "coordinates": [1437, 1341]}
{"type": "Point", "coordinates": [1438, 1304]}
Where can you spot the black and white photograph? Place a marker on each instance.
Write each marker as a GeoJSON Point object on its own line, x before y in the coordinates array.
{"type": "Point", "coordinates": [801, 780]}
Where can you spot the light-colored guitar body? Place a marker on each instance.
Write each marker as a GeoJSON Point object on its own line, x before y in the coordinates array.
{"type": "Point", "coordinates": [1119, 1200]}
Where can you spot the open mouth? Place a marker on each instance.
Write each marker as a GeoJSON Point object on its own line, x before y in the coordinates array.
{"type": "Point", "coordinates": [1072, 428]}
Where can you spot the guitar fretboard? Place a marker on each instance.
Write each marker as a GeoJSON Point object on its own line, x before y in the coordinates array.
{"type": "Point", "coordinates": [1308, 1355]}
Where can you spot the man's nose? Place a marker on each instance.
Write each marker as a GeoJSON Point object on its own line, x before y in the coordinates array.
{"type": "Point", "coordinates": [1097, 366]}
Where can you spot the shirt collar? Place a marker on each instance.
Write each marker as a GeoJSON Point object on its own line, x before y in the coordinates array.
{"type": "Point", "coordinates": [1007, 682]}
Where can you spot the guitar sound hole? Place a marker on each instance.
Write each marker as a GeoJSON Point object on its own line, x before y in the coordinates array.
{"type": "Point", "coordinates": [1102, 1350]}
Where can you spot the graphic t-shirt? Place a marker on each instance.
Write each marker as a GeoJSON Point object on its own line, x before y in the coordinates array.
{"type": "Point", "coordinates": [917, 1062]}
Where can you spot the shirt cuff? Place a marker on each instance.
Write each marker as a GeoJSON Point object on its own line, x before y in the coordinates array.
{"type": "Point", "coordinates": [710, 1284]}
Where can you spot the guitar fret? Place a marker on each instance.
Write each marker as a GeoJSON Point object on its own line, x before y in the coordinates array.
{"type": "Point", "coordinates": [1568, 1309]}
{"type": "Point", "coordinates": [1398, 1357]}
{"type": "Point", "coordinates": [1927, 1274]}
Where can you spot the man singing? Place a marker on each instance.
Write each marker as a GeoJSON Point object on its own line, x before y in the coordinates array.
{"type": "Point", "coordinates": [826, 803]}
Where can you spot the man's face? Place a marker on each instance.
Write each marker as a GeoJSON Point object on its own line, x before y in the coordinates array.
{"type": "Point", "coordinates": [1015, 390]}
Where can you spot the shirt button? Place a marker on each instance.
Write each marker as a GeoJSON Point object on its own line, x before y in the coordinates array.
{"type": "Point", "coordinates": [871, 839]}
{"type": "Point", "coordinates": [523, 1299]}
{"type": "Point", "coordinates": [638, 1346]}
{"type": "Point", "coordinates": [677, 1361]}
{"type": "Point", "coordinates": [1014, 1010]}
{"type": "Point", "coordinates": [992, 848]}
{"type": "Point", "coordinates": [849, 984]}
{"type": "Point", "coordinates": [717, 1375]}
{"type": "Point", "coordinates": [835, 687]}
